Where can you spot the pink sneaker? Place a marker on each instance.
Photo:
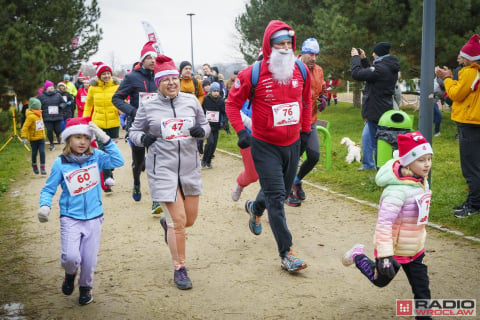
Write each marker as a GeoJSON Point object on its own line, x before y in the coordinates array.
{"type": "Point", "coordinates": [349, 257]}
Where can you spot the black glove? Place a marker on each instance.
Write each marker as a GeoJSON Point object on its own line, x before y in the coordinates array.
{"type": "Point", "coordinates": [243, 139]}
{"type": "Point", "coordinates": [388, 266]}
{"type": "Point", "coordinates": [148, 139]}
{"type": "Point", "coordinates": [197, 132]}
{"type": "Point", "coordinates": [304, 136]}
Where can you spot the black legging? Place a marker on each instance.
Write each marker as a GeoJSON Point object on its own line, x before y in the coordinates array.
{"type": "Point", "coordinates": [53, 126]}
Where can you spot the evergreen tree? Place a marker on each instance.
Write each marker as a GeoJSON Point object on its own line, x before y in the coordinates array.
{"type": "Point", "coordinates": [36, 41]}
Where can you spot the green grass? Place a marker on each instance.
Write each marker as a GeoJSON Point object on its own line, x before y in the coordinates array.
{"type": "Point", "coordinates": [14, 163]}
{"type": "Point", "coordinates": [447, 183]}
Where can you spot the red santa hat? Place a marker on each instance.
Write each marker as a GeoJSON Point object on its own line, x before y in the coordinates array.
{"type": "Point", "coordinates": [164, 67]}
{"type": "Point", "coordinates": [471, 50]}
{"type": "Point", "coordinates": [101, 68]}
{"type": "Point", "coordinates": [80, 75]}
{"type": "Point", "coordinates": [148, 50]}
{"type": "Point", "coordinates": [76, 126]}
{"type": "Point", "coordinates": [412, 146]}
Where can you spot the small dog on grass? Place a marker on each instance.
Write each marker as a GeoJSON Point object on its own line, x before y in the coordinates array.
{"type": "Point", "coordinates": [354, 151]}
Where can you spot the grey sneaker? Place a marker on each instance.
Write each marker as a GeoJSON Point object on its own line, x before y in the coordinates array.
{"type": "Point", "coordinates": [236, 192]}
{"type": "Point", "coordinates": [292, 263]}
{"type": "Point", "coordinates": [181, 279]}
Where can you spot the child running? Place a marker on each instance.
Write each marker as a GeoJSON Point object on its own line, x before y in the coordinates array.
{"type": "Point", "coordinates": [403, 213]}
{"type": "Point", "coordinates": [77, 171]}
{"type": "Point", "coordinates": [33, 130]}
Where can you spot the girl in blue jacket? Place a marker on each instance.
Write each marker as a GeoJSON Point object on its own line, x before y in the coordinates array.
{"type": "Point", "coordinates": [77, 171]}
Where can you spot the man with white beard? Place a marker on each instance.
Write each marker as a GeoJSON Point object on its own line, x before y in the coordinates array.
{"type": "Point", "coordinates": [280, 125]}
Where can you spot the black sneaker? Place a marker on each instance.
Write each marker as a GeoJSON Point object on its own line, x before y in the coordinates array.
{"type": "Point", "coordinates": [85, 295]}
{"type": "Point", "coordinates": [460, 207]}
{"type": "Point", "coordinates": [292, 200]}
{"type": "Point", "coordinates": [163, 222]}
{"type": "Point", "coordinates": [298, 191]}
{"type": "Point", "coordinates": [68, 284]}
{"type": "Point", "coordinates": [465, 211]}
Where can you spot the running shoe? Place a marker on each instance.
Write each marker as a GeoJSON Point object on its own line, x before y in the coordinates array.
{"type": "Point", "coordinates": [181, 279]}
{"type": "Point", "coordinates": [85, 295]}
{"type": "Point", "coordinates": [465, 211]}
{"type": "Point", "coordinates": [68, 284]}
{"type": "Point", "coordinates": [255, 227]}
{"type": "Point", "coordinates": [292, 263]}
{"type": "Point", "coordinates": [236, 192]}
{"type": "Point", "coordinates": [136, 193]}
{"type": "Point", "coordinates": [292, 200]}
{"type": "Point", "coordinates": [109, 182]}
{"type": "Point", "coordinates": [156, 207]}
{"type": "Point", "coordinates": [349, 257]}
{"type": "Point", "coordinates": [298, 191]}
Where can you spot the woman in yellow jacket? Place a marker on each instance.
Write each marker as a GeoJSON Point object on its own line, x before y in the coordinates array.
{"type": "Point", "coordinates": [104, 114]}
{"type": "Point", "coordinates": [33, 130]}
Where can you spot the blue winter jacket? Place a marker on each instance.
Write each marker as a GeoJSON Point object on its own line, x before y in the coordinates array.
{"type": "Point", "coordinates": [87, 205]}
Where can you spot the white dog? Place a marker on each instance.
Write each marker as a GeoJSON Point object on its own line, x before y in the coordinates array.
{"type": "Point", "coordinates": [354, 151]}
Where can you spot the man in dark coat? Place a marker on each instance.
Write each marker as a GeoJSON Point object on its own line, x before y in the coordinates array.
{"type": "Point", "coordinates": [139, 80]}
{"type": "Point", "coordinates": [380, 79]}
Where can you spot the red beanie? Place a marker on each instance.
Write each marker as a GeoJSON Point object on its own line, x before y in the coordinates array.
{"type": "Point", "coordinates": [471, 50]}
{"type": "Point", "coordinates": [148, 50]}
{"type": "Point", "coordinates": [412, 146]}
{"type": "Point", "coordinates": [76, 126]}
{"type": "Point", "coordinates": [164, 67]}
{"type": "Point", "coordinates": [101, 68]}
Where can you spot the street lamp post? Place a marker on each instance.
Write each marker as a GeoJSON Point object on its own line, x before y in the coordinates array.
{"type": "Point", "coordinates": [191, 41]}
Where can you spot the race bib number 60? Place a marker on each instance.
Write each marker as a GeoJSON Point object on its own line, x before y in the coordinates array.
{"type": "Point", "coordinates": [82, 180]}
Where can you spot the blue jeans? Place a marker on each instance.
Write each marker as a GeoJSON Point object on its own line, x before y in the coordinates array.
{"type": "Point", "coordinates": [369, 145]}
{"type": "Point", "coordinates": [437, 117]}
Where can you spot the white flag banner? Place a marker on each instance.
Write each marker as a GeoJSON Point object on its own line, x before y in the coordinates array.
{"type": "Point", "coordinates": [152, 36]}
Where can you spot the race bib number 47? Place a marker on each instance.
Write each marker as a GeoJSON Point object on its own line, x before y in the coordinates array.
{"type": "Point", "coordinates": [176, 129]}
{"type": "Point", "coordinates": [82, 180]}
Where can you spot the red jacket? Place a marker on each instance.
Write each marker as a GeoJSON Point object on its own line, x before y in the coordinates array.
{"type": "Point", "coordinates": [269, 93]}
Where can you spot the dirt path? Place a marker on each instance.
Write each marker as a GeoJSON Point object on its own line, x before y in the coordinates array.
{"type": "Point", "coordinates": [235, 274]}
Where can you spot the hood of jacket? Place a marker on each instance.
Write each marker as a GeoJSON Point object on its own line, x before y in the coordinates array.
{"type": "Point", "coordinates": [390, 62]}
{"type": "Point", "coordinates": [273, 26]}
{"type": "Point", "coordinates": [389, 174]}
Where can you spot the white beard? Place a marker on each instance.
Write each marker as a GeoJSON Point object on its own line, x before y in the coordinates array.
{"type": "Point", "coordinates": [281, 64]}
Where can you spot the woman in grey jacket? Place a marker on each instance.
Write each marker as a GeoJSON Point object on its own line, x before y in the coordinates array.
{"type": "Point", "coordinates": [168, 124]}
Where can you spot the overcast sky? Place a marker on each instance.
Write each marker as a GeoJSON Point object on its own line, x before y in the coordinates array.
{"type": "Point", "coordinates": [215, 39]}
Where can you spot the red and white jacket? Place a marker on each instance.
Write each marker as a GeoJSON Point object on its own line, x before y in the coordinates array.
{"type": "Point", "coordinates": [269, 93]}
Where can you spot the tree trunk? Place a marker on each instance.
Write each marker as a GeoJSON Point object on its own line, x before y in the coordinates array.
{"type": "Point", "coordinates": [357, 94]}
